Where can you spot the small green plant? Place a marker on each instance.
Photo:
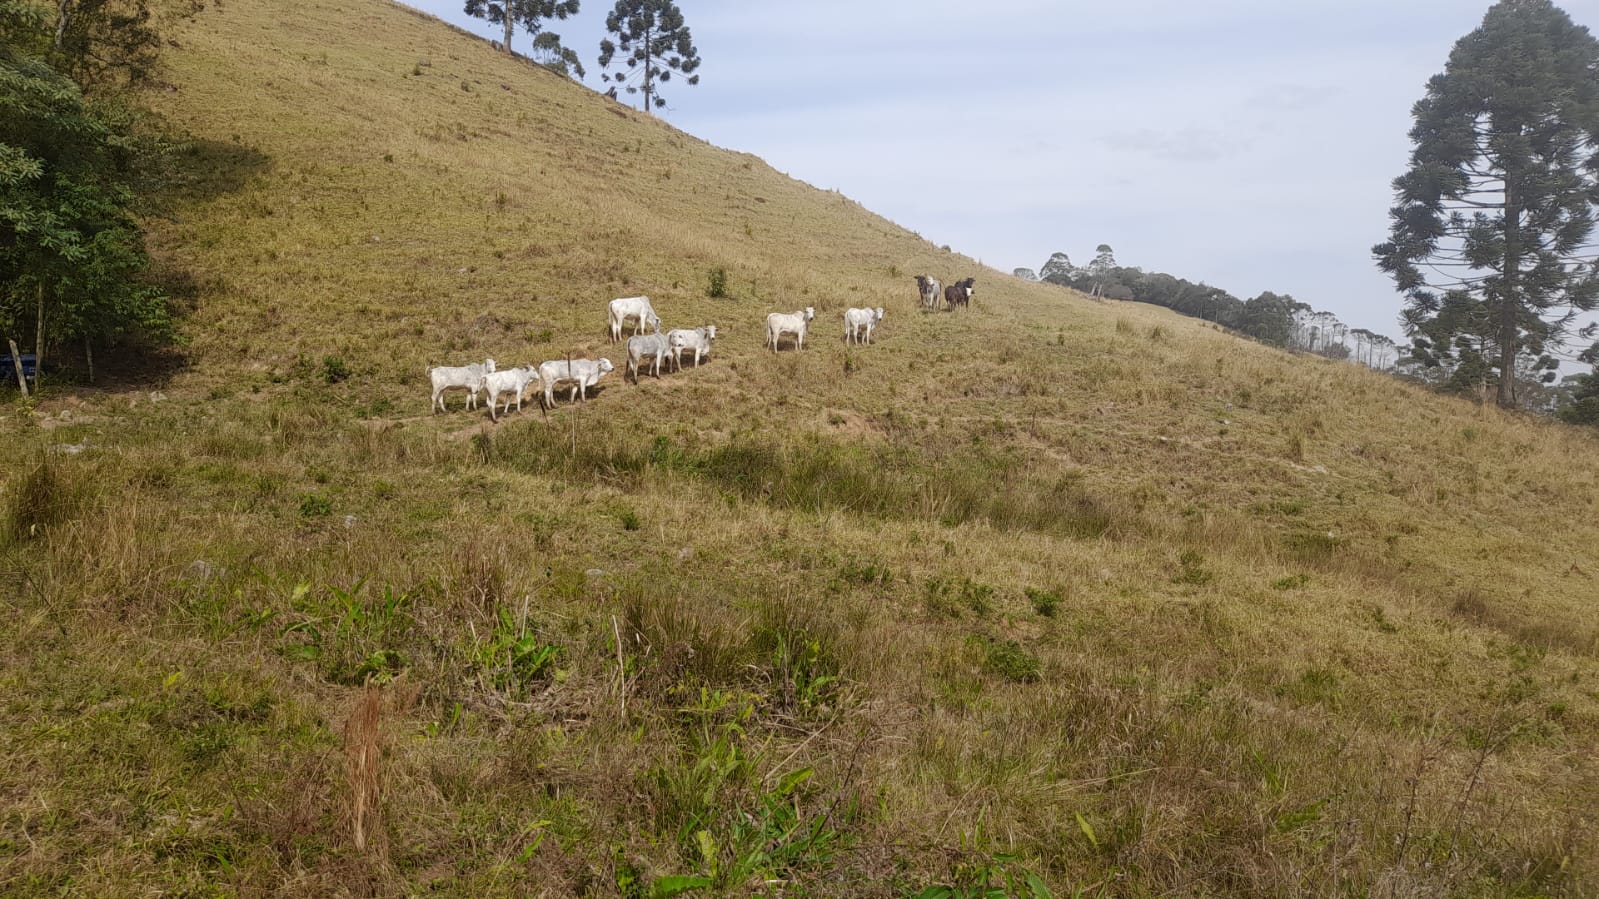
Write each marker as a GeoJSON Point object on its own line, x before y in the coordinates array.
{"type": "Point", "coordinates": [947, 596]}
{"type": "Point", "coordinates": [1315, 686]}
{"type": "Point", "coordinates": [1045, 602]}
{"type": "Point", "coordinates": [1010, 660]}
{"type": "Point", "coordinates": [803, 670]}
{"type": "Point", "coordinates": [866, 574]}
{"type": "Point", "coordinates": [513, 657]}
{"type": "Point", "coordinates": [351, 634]}
{"type": "Point", "coordinates": [1380, 618]}
{"type": "Point", "coordinates": [629, 519]}
{"type": "Point", "coordinates": [996, 876]}
{"type": "Point", "coordinates": [315, 505]}
{"type": "Point", "coordinates": [717, 288]}
{"type": "Point", "coordinates": [334, 369]}
{"type": "Point", "coordinates": [1292, 582]}
{"type": "Point", "coordinates": [1193, 571]}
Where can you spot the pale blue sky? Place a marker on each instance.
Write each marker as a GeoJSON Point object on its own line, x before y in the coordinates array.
{"type": "Point", "coordinates": [1246, 143]}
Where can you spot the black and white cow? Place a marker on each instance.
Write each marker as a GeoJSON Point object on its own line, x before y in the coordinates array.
{"type": "Point", "coordinates": [929, 289]}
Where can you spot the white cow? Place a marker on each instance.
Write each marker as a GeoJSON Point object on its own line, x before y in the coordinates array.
{"type": "Point", "coordinates": [470, 377]}
{"type": "Point", "coordinates": [856, 320]}
{"type": "Point", "coordinates": [580, 373]}
{"type": "Point", "coordinates": [697, 339]}
{"type": "Point", "coordinates": [637, 308]}
{"type": "Point", "coordinates": [639, 346]}
{"type": "Point", "coordinates": [796, 323]}
{"type": "Point", "coordinates": [512, 380]}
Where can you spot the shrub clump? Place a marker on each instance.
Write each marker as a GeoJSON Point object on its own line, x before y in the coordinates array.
{"type": "Point", "coordinates": [1045, 602]}
{"type": "Point", "coordinates": [335, 369]}
{"type": "Point", "coordinates": [717, 289]}
{"type": "Point", "coordinates": [1011, 660]}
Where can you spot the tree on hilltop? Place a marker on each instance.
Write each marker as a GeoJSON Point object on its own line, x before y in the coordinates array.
{"type": "Point", "coordinates": [531, 15]}
{"type": "Point", "coordinates": [654, 43]}
{"type": "Point", "coordinates": [1491, 234]}
{"type": "Point", "coordinates": [1269, 317]}
{"type": "Point", "coordinates": [1101, 268]}
{"type": "Point", "coordinates": [1058, 270]}
{"type": "Point", "coordinates": [1026, 274]}
{"type": "Point", "coordinates": [549, 52]}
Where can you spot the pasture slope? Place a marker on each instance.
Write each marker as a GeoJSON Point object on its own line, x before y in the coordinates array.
{"type": "Point", "coordinates": [1050, 592]}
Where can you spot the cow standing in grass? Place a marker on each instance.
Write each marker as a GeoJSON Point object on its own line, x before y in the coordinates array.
{"type": "Point", "coordinates": [858, 320]}
{"type": "Point", "coordinates": [795, 323]}
{"type": "Point", "coordinates": [636, 309]}
{"type": "Point", "coordinates": [929, 288]}
{"type": "Point", "coordinates": [960, 293]}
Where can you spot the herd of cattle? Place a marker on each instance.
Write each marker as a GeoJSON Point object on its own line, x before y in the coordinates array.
{"type": "Point", "coordinates": [649, 345]}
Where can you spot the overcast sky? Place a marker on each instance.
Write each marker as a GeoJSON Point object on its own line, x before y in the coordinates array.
{"type": "Point", "coordinates": [1246, 143]}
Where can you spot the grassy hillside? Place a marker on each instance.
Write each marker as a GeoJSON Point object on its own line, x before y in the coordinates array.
{"type": "Point", "coordinates": [1050, 592]}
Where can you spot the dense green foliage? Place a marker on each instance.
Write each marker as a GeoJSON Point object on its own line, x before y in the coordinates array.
{"type": "Point", "coordinates": [654, 42]}
{"type": "Point", "coordinates": [71, 252]}
{"type": "Point", "coordinates": [1492, 222]}
{"type": "Point", "coordinates": [1583, 406]}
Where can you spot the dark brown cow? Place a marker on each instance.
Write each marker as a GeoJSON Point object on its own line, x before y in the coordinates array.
{"type": "Point", "coordinates": [959, 293]}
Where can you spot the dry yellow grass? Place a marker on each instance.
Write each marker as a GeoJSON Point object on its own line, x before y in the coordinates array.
{"type": "Point", "coordinates": [1082, 590]}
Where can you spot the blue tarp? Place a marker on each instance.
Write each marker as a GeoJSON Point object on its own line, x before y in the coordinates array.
{"type": "Point", "coordinates": [30, 368]}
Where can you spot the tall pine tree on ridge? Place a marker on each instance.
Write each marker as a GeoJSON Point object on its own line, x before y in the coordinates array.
{"type": "Point", "coordinates": [655, 42]}
{"type": "Point", "coordinates": [1491, 234]}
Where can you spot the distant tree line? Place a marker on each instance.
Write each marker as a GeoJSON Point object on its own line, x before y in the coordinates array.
{"type": "Point", "coordinates": [1275, 319]}
{"type": "Point", "coordinates": [76, 157]}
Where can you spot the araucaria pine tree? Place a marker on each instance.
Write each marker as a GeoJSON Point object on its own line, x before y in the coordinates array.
{"type": "Point", "coordinates": [530, 14]}
{"type": "Point", "coordinates": [654, 42]}
{"type": "Point", "coordinates": [1491, 230]}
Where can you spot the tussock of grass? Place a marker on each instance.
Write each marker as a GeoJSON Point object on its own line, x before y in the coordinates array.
{"type": "Point", "coordinates": [36, 501]}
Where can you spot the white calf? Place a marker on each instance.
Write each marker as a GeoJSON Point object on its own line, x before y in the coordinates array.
{"type": "Point", "coordinates": [639, 346]}
{"type": "Point", "coordinates": [855, 320]}
{"type": "Point", "coordinates": [580, 373]}
{"type": "Point", "coordinates": [445, 377]}
{"type": "Point", "coordinates": [780, 323]}
{"type": "Point", "coordinates": [698, 340]}
{"type": "Point", "coordinates": [513, 380]}
{"type": "Point", "coordinates": [637, 308]}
